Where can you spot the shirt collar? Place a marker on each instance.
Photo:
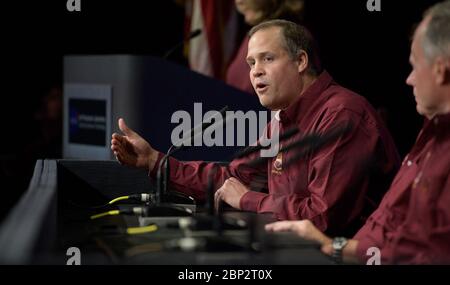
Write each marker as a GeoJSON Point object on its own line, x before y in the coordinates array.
{"type": "Point", "coordinates": [437, 127]}
{"type": "Point", "coordinates": [438, 123]}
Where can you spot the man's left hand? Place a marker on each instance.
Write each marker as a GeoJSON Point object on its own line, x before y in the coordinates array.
{"type": "Point", "coordinates": [303, 228]}
{"type": "Point", "coordinates": [231, 193]}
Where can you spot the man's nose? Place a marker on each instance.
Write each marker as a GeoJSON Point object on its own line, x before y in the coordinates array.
{"type": "Point", "coordinates": [410, 79]}
{"type": "Point", "coordinates": [257, 70]}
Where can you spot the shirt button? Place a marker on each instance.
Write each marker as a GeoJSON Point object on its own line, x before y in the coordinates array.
{"type": "Point", "coordinates": [409, 163]}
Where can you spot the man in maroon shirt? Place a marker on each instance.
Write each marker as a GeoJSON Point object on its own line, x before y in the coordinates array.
{"type": "Point", "coordinates": [332, 186]}
{"type": "Point", "coordinates": [412, 223]}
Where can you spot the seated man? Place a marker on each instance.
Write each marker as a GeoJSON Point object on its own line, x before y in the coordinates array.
{"type": "Point", "coordinates": [331, 185]}
{"type": "Point", "coordinates": [412, 223]}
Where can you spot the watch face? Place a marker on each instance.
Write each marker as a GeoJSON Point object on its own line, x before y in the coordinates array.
{"type": "Point", "coordinates": [339, 242]}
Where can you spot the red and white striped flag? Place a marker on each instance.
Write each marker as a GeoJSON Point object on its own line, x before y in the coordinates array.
{"type": "Point", "coordinates": [210, 52]}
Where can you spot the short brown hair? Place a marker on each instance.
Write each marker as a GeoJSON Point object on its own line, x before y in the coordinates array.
{"type": "Point", "coordinates": [296, 39]}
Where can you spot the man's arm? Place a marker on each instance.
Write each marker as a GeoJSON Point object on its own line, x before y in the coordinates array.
{"type": "Point", "coordinates": [337, 176]}
{"type": "Point", "coordinates": [306, 230]}
{"type": "Point", "coordinates": [192, 177]}
{"type": "Point", "coordinates": [424, 236]}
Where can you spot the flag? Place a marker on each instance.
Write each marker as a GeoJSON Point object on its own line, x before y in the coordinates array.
{"type": "Point", "coordinates": [209, 53]}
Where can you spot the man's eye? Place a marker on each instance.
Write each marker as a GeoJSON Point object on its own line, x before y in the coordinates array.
{"type": "Point", "coordinates": [268, 58]}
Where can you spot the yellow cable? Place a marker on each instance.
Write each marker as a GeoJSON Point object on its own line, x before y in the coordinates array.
{"type": "Point", "coordinates": [109, 213]}
{"type": "Point", "coordinates": [142, 230]}
{"type": "Point", "coordinates": [119, 199]}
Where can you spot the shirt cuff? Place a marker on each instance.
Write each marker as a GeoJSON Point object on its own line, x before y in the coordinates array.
{"type": "Point", "coordinates": [251, 200]}
{"type": "Point", "coordinates": [361, 250]}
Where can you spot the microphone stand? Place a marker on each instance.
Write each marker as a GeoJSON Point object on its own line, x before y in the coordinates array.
{"type": "Point", "coordinates": [163, 174]}
{"type": "Point", "coordinates": [192, 35]}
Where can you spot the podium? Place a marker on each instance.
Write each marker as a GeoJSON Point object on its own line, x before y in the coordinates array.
{"type": "Point", "coordinates": [146, 92]}
{"type": "Point", "coordinates": [52, 217]}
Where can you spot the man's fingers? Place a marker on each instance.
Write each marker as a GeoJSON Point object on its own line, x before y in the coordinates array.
{"type": "Point", "coordinates": [114, 142]}
{"type": "Point", "coordinates": [268, 227]}
{"type": "Point", "coordinates": [217, 198]}
{"type": "Point", "coordinates": [271, 227]}
{"type": "Point", "coordinates": [119, 158]}
{"type": "Point", "coordinates": [123, 158]}
{"type": "Point", "coordinates": [279, 226]}
{"type": "Point", "coordinates": [118, 138]}
{"type": "Point", "coordinates": [116, 147]}
{"type": "Point", "coordinates": [234, 180]}
{"type": "Point", "coordinates": [124, 128]}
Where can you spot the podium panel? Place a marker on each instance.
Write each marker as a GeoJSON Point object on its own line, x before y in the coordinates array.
{"type": "Point", "coordinates": [53, 219]}
{"type": "Point", "coordinates": [146, 92]}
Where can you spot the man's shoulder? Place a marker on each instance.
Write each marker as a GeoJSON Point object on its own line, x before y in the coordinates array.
{"type": "Point", "coordinates": [341, 98]}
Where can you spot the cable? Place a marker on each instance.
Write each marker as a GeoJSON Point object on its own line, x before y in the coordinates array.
{"type": "Point", "coordinates": [134, 210]}
{"type": "Point", "coordinates": [118, 199]}
{"type": "Point", "coordinates": [108, 213]}
{"type": "Point", "coordinates": [142, 230]}
{"type": "Point", "coordinates": [143, 197]}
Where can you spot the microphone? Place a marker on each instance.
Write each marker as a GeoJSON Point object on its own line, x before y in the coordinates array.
{"type": "Point", "coordinates": [315, 142]}
{"type": "Point", "coordinates": [193, 34]}
{"type": "Point", "coordinates": [195, 131]}
{"type": "Point", "coordinates": [251, 149]}
{"type": "Point", "coordinates": [163, 182]}
{"type": "Point", "coordinates": [310, 142]}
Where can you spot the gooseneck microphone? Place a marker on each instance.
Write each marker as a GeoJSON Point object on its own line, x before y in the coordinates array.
{"type": "Point", "coordinates": [307, 144]}
{"type": "Point", "coordinates": [163, 181]}
{"type": "Point", "coordinates": [193, 34]}
{"type": "Point", "coordinates": [251, 149]}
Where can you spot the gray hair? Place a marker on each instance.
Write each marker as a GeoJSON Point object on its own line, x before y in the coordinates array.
{"type": "Point", "coordinates": [436, 37]}
{"type": "Point", "coordinates": [296, 39]}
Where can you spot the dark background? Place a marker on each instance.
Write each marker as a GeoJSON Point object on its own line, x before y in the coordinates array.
{"type": "Point", "coordinates": [364, 51]}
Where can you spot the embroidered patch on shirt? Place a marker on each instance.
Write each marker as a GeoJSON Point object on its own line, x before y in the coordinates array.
{"type": "Point", "coordinates": [277, 165]}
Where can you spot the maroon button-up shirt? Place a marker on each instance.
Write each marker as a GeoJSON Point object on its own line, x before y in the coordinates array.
{"type": "Point", "coordinates": [330, 186]}
{"type": "Point", "coordinates": [412, 224]}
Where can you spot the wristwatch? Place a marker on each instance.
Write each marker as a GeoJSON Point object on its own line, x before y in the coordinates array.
{"type": "Point", "coordinates": [338, 244]}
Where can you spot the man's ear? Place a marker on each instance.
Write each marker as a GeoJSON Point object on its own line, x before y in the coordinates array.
{"type": "Point", "coordinates": [303, 61]}
{"type": "Point", "coordinates": [441, 70]}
